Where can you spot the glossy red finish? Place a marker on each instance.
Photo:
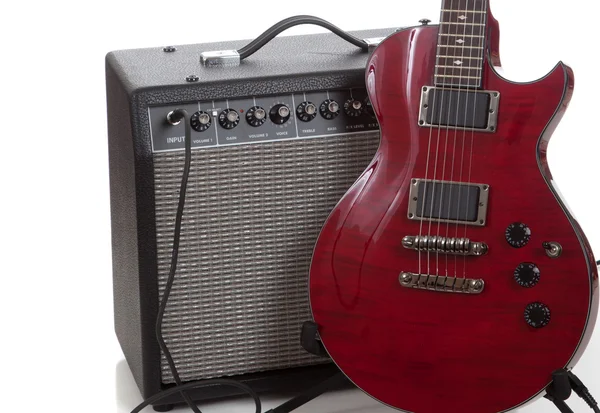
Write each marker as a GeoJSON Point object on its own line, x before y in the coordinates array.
{"type": "Point", "coordinates": [424, 351]}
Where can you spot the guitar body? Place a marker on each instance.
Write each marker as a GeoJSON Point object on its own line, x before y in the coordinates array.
{"type": "Point", "coordinates": [429, 351]}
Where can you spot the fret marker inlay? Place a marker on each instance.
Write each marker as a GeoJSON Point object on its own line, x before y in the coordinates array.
{"type": "Point", "coordinates": [458, 62]}
{"type": "Point", "coordinates": [460, 41]}
{"type": "Point", "coordinates": [462, 17]}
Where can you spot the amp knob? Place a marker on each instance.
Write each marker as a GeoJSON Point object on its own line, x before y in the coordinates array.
{"type": "Point", "coordinates": [517, 234]}
{"type": "Point", "coordinates": [200, 121]}
{"type": "Point", "coordinates": [306, 111]}
{"type": "Point", "coordinates": [279, 114]}
{"type": "Point", "coordinates": [527, 275]}
{"type": "Point", "coordinates": [353, 108]}
{"type": "Point", "coordinates": [229, 118]}
{"type": "Point", "coordinates": [329, 109]}
{"type": "Point", "coordinates": [256, 116]}
{"type": "Point", "coordinates": [537, 315]}
{"type": "Point", "coordinates": [369, 107]}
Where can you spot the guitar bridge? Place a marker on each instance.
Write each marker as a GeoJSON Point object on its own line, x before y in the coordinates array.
{"type": "Point", "coordinates": [441, 283]}
{"type": "Point", "coordinates": [445, 245]}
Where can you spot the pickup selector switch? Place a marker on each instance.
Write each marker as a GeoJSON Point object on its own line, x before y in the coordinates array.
{"type": "Point", "coordinates": [329, 109]}
{"type": "Point", "coordinates": [306, 111]}
{"type": "Point", "coordinates": [353, 108]}
{"type": "Point", "coordinates": [256, 116]}
{"type": "Point", "coordinates": [279, 114]}
{"type": "Point", "coordinates": [200, 121]}
{"type": "Point", "coordinates": [527, 275]}
{"type": "Point", "coordinates": [229, 118]}
{"type": "Point", "coordinates": [517, 234]}
{"type": "Point", "coordinates": [537, 315]}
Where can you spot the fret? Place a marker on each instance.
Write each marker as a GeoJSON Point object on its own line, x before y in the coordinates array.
{"type": "Point", "coordinates": [461, 41]}
{"type": "Point", "coordinates": [461, 29]}
{"type": "Point", "coordinates": [463, 17]}
{"type": "Point", "coordinates": [464, 24]}
{"type": "Point", "coordinates": [464, 11]}
{"type": "Point", "coordinates": [459, 62]}
{"type": "Point", "coordinates": [465, 5]}
{"type": "Point", "coordinates": [458, 77]}
{"type": "Point", "coordinates": [440, 56]}
{"type": "Point", "coordinates": [459, 72]}
{"type": "Point", "coordinates": [458, 67]}
{"type": "Point", "coordinates": [459, 35]}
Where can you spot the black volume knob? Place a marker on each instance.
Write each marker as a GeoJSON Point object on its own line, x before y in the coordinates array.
{"type": "Point", "coordinates": [229, 118]}
{"type": "Point", "coordinates": [517, 234]}
{"type": "Point", "coordinates": [306, 111]}
{"type": "Point", "coordinates": [200, 121]}
{"type": "Point", "coordinates": [353, 108]}
{"type": "Point", "coordinates": [537, 315]}
{"type": "Point", "coordinates": [256, 116]}
{"type": "Point", "coordinates": [527, 274]}
{"type": "Point", "coordinates": [279, 114]}
{"type": "Point", "coordinates": [329, 109]}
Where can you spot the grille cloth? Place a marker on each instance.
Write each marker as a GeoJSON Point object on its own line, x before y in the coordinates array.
{"type": "Point", "coordinates": [251, 218]}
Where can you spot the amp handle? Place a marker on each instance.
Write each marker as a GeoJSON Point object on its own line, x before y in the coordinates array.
{"type": "Point", "coordinates": [234, 57]}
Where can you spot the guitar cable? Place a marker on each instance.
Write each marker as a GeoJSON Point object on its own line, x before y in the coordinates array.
{"type": "Point", "coordinates": [174, 118]}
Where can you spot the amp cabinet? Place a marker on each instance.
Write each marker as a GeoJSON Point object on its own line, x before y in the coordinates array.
{"type": "Point", "coordinates": [277, 140]}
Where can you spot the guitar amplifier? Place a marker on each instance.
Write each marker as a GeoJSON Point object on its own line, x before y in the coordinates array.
{"type": "Point", "coordinates": [276, 141]}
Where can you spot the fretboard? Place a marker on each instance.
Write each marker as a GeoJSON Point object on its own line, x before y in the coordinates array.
{"type": "Point", "coordinates": [461, 43]}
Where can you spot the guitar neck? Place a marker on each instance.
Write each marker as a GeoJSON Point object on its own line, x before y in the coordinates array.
{"type": "Point", "coordinates": [461, 43]}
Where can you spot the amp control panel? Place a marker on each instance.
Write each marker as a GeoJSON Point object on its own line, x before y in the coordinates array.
{"type": "Point", "coordinates": [265, 119]}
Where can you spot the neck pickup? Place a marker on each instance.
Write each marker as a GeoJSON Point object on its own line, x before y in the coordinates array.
{"type": "Point", "coordinates": [459, 109]}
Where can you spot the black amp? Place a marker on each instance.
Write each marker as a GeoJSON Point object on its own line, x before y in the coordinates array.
{"type": "Point", "coordinates": [276, 141]}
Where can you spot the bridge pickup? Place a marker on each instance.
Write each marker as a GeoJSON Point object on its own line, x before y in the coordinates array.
{"type": "Point", "coordinates": [446, 201]}
{"type": "Point", "coordinates": [444, 245]}
{"type": "Point", "coordinates": [441, 283]}
{"type": "Point", "coordinates": [459, 109]}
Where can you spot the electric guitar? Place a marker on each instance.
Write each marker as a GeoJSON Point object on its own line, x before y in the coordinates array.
{"type": "Point", "coordinates": [451, 277]}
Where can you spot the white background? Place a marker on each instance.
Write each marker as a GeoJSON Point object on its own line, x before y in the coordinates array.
{"type": "Point", "coordinates": [59, 352]}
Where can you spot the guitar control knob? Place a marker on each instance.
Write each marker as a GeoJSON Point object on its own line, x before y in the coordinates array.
{"type": "Point", "coordinates": [279, 114]}
{"type": "Point", "coordinates": [200, 121]}
{"type": "Point", "coordinates": [369, 108]}
{"type": "Point", "coordinates": [517, 234]}
{"type": "Point", "coordinates": [229, 118]}
{"type": "Point", "coordinates": [353, 108]}
{"type": "Point", "coordinates": [329, 109]}
{"type": "Point", "coordinates": [306, 111]}
{"type": "Point", "coordinates": [256, 116]}
{"type": "Point", "coordinates": [537, 315]}
{"type": "Point", "coordinates": [527, 274]}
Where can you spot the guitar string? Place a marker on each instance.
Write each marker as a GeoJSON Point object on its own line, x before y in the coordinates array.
{"type": "Point", "coordinates": [480, 59]}
{"type": "Point", "coordinates": [456, 131]}
{"type": "Point", "coordinates": [464, 131]}
{"type": "Point", "coordinates": [443, 178]}
{"type": "Point", "coordinates": [432, 108]}
{"type": "Point", "coordinates": [437, 152]}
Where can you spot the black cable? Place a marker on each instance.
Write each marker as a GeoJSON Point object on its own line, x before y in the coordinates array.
{"type": "Point", "coordinates": [277, 28]}
{"type": "Point", "coordinates": [196, 385]}
{"type": "Point", "coordinates": [583, 392]}
{"type": "Point", "coordinates": [174, 118]}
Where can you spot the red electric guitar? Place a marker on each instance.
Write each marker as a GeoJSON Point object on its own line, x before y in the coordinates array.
{"type": "Point", "coordinates": [452, 277]}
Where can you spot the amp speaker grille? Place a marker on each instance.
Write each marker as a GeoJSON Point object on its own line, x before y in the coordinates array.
{"type": "Point", "coordinates": [251, 219]}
